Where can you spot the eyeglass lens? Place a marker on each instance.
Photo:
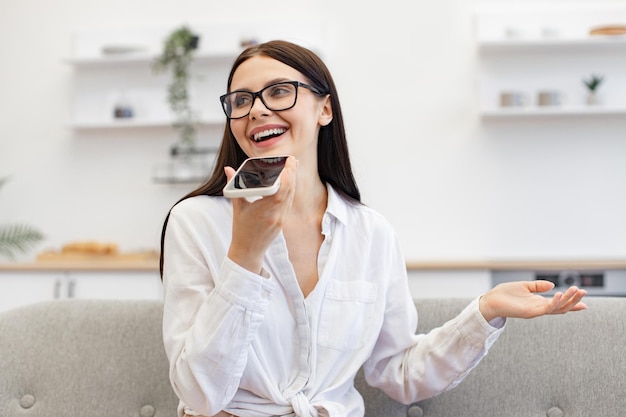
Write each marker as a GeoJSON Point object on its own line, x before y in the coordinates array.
{"type": "Point", "coordinates": [276, 97]}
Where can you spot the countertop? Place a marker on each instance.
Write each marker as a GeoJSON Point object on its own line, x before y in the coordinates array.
{"type": "Point", "coordinates": [96, 265]}
{"type": "Point", "coordinates": [151, 263]}
{"type": "Point", "coordinates": [519, 264]}
{"type": "Point", "coordinates": [56, 261]}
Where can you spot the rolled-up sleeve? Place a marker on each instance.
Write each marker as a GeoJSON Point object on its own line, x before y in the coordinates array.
{"type": "Point", "coordinates": [212, 307]}
{"type": "Point", "coordinates": [411, 367]}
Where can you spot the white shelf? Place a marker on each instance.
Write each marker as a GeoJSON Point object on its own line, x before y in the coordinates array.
{"type": "Point", "coordinates": [534, 47]}
{"type": "Point", "coordinates": [551, 112]}
{"type": "Point", "coordinates": [595, 43]}
{"type": "Point", "coordinates": [183, 172]}
{"type": "Point", "coordinates": [136, 123]}
{"type": "Point", "coordinates": [113, 69]}
{"type": "Point", "coordinates": [144, 59]}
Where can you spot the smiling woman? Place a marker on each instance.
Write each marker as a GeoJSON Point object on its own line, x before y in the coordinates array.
{"type": "Point", "coordinates": [271, 307]}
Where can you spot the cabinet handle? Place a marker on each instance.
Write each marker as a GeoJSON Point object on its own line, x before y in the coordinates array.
{"type": "Point", "coordinates": [70, 288]}
{"type": "Point", "coordinates": [57, 289]}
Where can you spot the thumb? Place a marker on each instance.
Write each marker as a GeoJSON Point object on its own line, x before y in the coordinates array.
{"type": "Point", "coordinates": [230, 172]}
{"type": "Point", "coordinates": [540, 286]}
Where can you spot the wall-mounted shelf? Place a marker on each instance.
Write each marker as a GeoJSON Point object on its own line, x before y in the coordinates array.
{"type": "Point", "coordinates": [135, 123]}
{"type": "Point", "coordinates": [193, 171]}
{"type": "Point", "coordinates": [117, 93]}
{"type": "Point", "coordinates": [529, 49]}
{"type": "Point", "coordinates": [551, 112]}
{"type": "Point", "coordinates": [145, 59]}
{"type": "Point", "coordinates": [186, 165]}
{"type": "Point", "coordinates": [113, 72]}
{"type": "Point", "coordinates": [588, 44]}
{"type": "Point", "coordinates": [103, 83]}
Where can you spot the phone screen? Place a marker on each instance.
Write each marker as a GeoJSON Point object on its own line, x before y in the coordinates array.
{"type": "Point", "coordinates": [259, 172]}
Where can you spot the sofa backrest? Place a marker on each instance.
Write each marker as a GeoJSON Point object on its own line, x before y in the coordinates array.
{"type": "Point", "coordinates": [82, 358]}
{"type": "Point", "coordinates": [571, 365]}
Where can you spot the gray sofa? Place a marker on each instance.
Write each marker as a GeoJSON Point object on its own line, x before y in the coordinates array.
{"type": "Point", "coordinates": [82, 358]}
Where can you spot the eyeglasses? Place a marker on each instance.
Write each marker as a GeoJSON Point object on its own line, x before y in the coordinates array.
{"type": "Point", "coordinates": [276, 97]}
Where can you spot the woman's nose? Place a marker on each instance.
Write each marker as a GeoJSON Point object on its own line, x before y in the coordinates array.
{"type": "Point", "coordinates": [258, 108]}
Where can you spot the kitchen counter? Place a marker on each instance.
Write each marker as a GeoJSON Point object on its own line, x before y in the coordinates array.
{"type": "Point", "coordinates": [529, 264]}
{"type": "Point", "coordinates": [118, 277]}
{"type": "Point", "coordinates": [151, 263]}
{"type": "Point", "coordinates": [101, 265]}
{"type": "Point", "coordinates": [51, 261]}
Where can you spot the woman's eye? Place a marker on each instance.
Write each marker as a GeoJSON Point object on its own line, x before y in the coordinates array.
{"type": "Point", "coordinates": [281, 90]}
{"type": "Point", "coordinates": [241, 100]}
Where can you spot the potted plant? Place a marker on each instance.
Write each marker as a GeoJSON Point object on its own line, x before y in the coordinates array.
{"type": "Point", "coordinates": [17, 237]}
{"type": "Point", "coordinates": [177, 56]}
{"type": "Point", "coordinates": [592, 85]}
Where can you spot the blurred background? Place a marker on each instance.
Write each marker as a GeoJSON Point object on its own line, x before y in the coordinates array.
{"type": "Point", "coordinates": [462, 170]}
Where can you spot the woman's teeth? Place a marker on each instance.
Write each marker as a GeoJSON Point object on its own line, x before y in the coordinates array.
{"type": "Point", "coordinates": [266, 134]}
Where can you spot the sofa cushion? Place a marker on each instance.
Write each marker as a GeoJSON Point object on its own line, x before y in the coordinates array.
{"type": "Point", "coordinates": [79, 358]}
{"type": "Point", "coordinates": [573, 365]}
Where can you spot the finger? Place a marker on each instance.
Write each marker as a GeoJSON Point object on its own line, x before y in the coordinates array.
{"type": "Point", "coordinates": [555, 302]}
{"type": "Point", "coordinates": [577, 304]}
{"type": "Point", "coordinates": [230, 172]}
{"type": "Point", "coordinates": [288, 177]}
{"type": "Point", "coordinates": [572, 300]}
{"type": "Point", "coordinates": [289, 172]}
{"type": "Point", "coordinates": [579, 307]}
{"type": "Point", "coordinates": [540, 286]}
{"type": "Point", "coordinates": [236, 202]}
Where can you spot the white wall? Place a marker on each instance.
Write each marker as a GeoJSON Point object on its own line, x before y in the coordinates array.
{"type": "Point", "coordinates": [548, 189]}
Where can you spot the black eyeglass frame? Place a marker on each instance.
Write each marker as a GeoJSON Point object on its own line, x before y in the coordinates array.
{"type": "Point", "coordinates": [259, 94]}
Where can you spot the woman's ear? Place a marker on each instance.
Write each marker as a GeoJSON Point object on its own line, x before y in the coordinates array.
{"type": "Point", "coordinates": [326, 116]}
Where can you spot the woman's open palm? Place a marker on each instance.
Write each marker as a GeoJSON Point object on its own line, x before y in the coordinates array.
{"type": "Point", "coordinates": [523, 299]}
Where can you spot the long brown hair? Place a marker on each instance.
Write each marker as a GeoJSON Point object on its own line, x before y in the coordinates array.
{"type": "Point", "coordinates": [334, 165]}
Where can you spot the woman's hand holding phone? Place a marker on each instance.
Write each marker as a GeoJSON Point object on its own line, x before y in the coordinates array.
{"type": "Point", "coordinates": [256, 178]}
{"type": "Point", "coordinates": [256, 224]}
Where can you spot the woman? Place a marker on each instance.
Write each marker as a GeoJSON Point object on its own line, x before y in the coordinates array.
{"type": "Point", "coordinates": [272, 307]}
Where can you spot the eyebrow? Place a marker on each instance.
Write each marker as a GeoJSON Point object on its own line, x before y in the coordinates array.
{"type": "Point", "coordinates": [270, 82]}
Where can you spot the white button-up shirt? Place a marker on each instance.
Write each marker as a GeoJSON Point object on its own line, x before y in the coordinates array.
{"type": "Point", "coordinates": [254, 346]}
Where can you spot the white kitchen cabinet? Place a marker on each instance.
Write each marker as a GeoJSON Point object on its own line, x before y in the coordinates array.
{"type": "Point", "coordinates": [115, 285]}
{"type": "Point", "coordinates": [19, 288]}
{"type": "Point", "coordinates": [528, 48]}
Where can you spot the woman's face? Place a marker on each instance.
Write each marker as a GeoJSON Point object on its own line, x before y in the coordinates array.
{"type": "Point", "coordinates": [265, 132]}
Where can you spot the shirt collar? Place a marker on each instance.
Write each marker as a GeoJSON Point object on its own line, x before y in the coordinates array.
{"type": "Point", "coordinates": [337, 205]}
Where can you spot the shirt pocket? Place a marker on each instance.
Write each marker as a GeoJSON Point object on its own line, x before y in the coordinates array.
{"type": "Point", "coordinates": [346, 316]}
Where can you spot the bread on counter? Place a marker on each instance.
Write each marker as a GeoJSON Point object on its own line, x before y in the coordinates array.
{"type": "Point", "coordinates": [609, 30]}
{"type": "Point", "coordinates": [90, 248]}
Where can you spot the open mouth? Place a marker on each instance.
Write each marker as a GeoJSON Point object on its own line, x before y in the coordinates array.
{"type": "Point", "coordinates": [268, 134]}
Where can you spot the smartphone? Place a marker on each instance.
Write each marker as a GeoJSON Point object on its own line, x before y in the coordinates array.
{"type": "Point", "coordinates": [256, 177]}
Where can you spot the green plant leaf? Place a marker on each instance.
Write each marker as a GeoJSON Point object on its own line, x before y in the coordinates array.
{"type": "Point", "coordinates": [177, 56]}
{"type": "Point", "coordinates": [18, 238]}
{"type": "Point", "coordinates": [594, 82]}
